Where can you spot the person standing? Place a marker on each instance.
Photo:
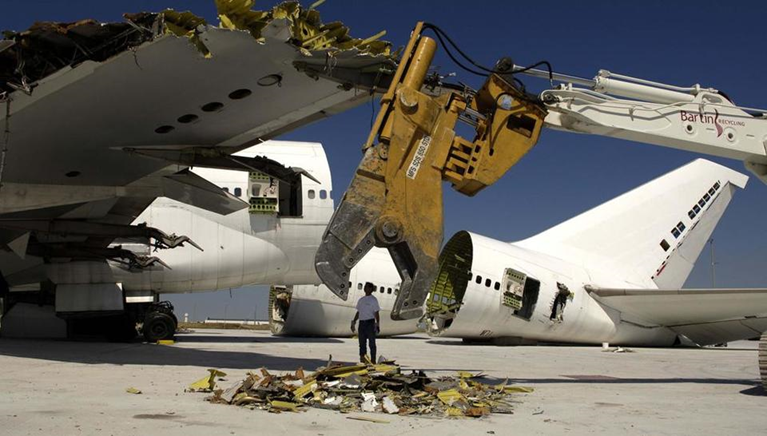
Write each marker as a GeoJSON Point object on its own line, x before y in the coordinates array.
{"type": "Point", "coordinates": [370, 321]}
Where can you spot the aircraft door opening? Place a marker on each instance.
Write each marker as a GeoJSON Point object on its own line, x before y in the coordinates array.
{"type": "Point", "coordinates": [520, 292]}
{"type": "Point", "coordinates": [268, 195]}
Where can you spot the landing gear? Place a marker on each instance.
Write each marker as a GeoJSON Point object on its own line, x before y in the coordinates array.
{"type": "Point", "coordinates": [159, 322]}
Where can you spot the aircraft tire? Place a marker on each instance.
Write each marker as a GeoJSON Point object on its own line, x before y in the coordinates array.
{"type": "Point", "coordinates": [158, 326]}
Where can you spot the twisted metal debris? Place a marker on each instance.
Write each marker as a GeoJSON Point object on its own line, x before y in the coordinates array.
{"type": "Point", "coordinates": [381, 388]}
{"type": "Point", "coordinates": [47, 47]}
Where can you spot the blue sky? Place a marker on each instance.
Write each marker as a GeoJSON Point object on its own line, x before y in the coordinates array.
{"type": "Point", "coordinates": [718, 44]}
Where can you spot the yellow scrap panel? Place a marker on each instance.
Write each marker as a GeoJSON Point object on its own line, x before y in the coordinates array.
{"type": "Point", "coordinates": [284, 405]}
{"type": "Point", "coordinates": [520, 389]}
{"type": "Point", "coordinates": [207, 383]}
{"type": "Point", "coordinates": [449, 396]}
{"type": "Point", "coordinates": [384, 368]}
{"type": "Point", "coordinates": [341, 371]}
{"type": "Point", "coordinates": [348, 373]}
{"type": "Point", "coordinates": [306, 28]}
{"type": "Point", "coordinates": [303, 390]}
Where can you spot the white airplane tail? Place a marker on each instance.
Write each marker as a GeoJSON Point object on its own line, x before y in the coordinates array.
{"type": "Point", "coordinates": [654, 232]}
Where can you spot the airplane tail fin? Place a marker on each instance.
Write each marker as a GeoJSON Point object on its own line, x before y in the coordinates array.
{"type": "Point", "coordinates": [655, 231]}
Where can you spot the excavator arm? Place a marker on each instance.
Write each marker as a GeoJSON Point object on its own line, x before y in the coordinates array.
{"type": "Point", "coordinates": [697, 119]}
{"type": "Point", "coordinates": [395, 197]}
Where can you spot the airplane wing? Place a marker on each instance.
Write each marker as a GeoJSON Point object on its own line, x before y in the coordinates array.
{"type": "Point", "coordinates": [81, 97]}
{"type": "Point", "coordinates": [101, 118]}
{"type": "Point", "coordinates": [705, 316]}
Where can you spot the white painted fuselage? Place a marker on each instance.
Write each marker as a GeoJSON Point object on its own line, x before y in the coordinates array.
{"type": "Point", "coordinates": [583, 320]}
{"type": "Point", "coordinates": [312, 310]}
{"type": "Point", "coordinates": [244, 247]}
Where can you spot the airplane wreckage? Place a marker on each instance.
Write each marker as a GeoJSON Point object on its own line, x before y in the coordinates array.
{"type": "Point", "coordinates": [100, 119]}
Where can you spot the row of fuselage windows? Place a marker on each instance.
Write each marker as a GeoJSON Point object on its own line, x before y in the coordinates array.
{"type": "Point", "coordinates": [478, 280]}
{"type": "Point", "coordinates": [677, 230]}
{"type": "Point", "coordinates": [311, 194]}
{"type": "Point", "coordinates": [488, 282]}
{"type": "Point", "coordinates": [381, 289]}
{"type": "Point", "coordinates": [395, 291]}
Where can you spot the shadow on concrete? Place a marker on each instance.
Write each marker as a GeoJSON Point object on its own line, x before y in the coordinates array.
{"type": "Point", "coordinates": [406, 337]}
{"type": "Point", "coordinates": [456, 341]}
{"type": "Point", "coordinates": [756, 391]}
{"type": "Point", "coordinates": [254, 339]}
{"type": "Point", "coordinates": [620, 380]}
{"type": "Point", "coordinates": [150, 354]}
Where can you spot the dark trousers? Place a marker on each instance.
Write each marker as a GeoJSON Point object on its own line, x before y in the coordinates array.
{"type": "Point", "coordinates": [367, 334]}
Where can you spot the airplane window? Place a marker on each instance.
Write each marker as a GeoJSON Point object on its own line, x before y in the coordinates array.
{"type": "Point", "coordinates": [311, 194]}
{"type": "Point", "coordinates": [717, 185]}
{"type": "Point", "coordinates": [696, 208]}
{"type": "Point", "coordinates": [225, 189]}
{"type": "Point", "coordinates": [359, 286]}
{"type": "Point", "coordinates": [323, 194]}
{"type": "Point", "coordinates": [680, 226]}
{"type": "Point", "coordinates": [664, 245]}
{"type": "Point", "coordinates": [479, 280]}
{"type": "Point", "coordinates": [470, 275]}
{"type": "Point", "coordinates": [488, 282]}
{"type": "Point", "coordinates": [701, 203]}
{"type": "Point", "coordinates": [691, 214]}
{"type": "Point", "coordinates": [381, 290]}
{"type": "Point", "coordinates": [711, 191]}
{"type": "Point", "coordinates": [396, 291]}
{"type": "Point", "coordinates": [675, 232]}
{"type": "Point", "coordinates": [497, 286]}
{"type": "Point", "coordinates": [388, 290]}
{"type": "Point", "coordinates": [706, 197]}
{"type": "Point", "coordinates": [238, 192]}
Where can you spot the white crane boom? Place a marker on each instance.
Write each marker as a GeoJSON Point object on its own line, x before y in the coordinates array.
{"type": "Point", "coordinates": [696, 119]}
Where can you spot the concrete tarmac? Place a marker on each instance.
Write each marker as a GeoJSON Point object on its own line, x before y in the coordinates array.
{"type": "Point", "coordinates": [64, 388]}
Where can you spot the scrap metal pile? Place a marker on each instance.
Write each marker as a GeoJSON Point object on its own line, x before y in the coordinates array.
{"type": "Point", "coordinates": [381, 388]}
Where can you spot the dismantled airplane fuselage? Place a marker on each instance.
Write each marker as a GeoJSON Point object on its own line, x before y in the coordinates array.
{"type": "Point", "coordinates": [612, 274]}
{"type": "Point", "coordinates": [312, 310]}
